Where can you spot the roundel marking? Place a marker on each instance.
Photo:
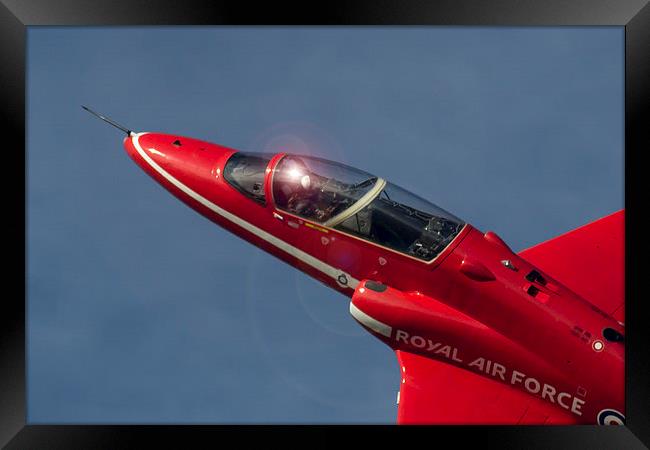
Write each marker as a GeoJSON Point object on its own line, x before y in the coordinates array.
{"type": "Point", "coordinates": [611, 417]}
{"type": "Point", "coordinates": [598, 346]}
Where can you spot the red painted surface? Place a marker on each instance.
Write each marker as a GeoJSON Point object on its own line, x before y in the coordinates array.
{"type": "Point", "coordinates": [590, 260]}
{"type": "Point", "coordinates": [477, 341]}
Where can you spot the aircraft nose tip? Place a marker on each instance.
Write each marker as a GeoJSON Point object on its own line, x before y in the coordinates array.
{"type": "Point", "coordinates": [144, 146]}
{"type": "Point", "coordinates": [143, 149]}
{"type": "Point", "coordinates": [129, 146]}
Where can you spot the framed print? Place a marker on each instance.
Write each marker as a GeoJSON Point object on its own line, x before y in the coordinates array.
{"type": "Point", "coordinates": [457, 181]}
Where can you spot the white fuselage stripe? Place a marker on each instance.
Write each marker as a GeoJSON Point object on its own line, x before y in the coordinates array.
{"type": "Point", "coordinates": [370, 322]}
{"type": "Point", "coordinates": [282, 245]}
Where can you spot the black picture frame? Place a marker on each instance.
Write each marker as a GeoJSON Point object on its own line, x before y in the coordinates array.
{"type": "Point", "coordinates": [16, 15]}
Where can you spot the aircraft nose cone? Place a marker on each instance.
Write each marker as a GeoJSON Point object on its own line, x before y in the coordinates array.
{"type": "Point", "coordinates": [158, 152]}
{"type": "Point", "coordinates": [176, 159]}
{"type": "Point", "coordinates": [129, 146]}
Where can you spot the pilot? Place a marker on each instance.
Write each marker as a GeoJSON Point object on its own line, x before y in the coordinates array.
{"type": "Point", "coordinates": [302, 198]}
{"type": "Point", "coordinates": [307, 200]}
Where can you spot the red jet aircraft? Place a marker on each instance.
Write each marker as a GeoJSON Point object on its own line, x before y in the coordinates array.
{"type": "Point", "coordinates": [482, 334]}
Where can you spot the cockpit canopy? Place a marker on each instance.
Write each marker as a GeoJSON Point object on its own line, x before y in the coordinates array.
{"type": "Point", "coordinates": [349, 200]}
{"type": "Point", "coordinates": [402, 221]}
{"type": "Point", "coordinates": [245, 172]}
{"type": "Point", "coordinates": [317, 189]}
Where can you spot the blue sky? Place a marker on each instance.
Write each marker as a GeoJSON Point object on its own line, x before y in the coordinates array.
{"type": "Point", "coordinates": [140, 310]}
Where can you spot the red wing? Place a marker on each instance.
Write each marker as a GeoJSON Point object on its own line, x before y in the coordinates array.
{"type": "Point", "coordinates": [433, 392]}
{"type": "Point", "coordinates": [590, 260]}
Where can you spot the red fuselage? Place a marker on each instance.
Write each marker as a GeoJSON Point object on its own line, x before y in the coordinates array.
{"type": "Point", "coordinates": [476, 304]}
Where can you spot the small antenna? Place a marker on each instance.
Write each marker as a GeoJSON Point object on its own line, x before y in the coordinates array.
{"type": "Point", "coordinates": [110, 121]}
